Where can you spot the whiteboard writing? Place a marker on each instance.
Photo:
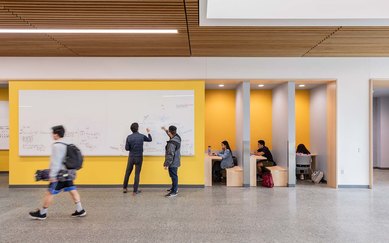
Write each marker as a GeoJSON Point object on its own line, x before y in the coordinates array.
{"type": "Point", "coordinates": [98, 121]}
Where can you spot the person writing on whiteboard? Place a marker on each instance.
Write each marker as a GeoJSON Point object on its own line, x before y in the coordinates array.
{"type": "Point", "coordinates": [134, 144]}
{"type": "Point", "coordinates": [57, 159]}
{"type": "Point", "coordinates": [172, 158]}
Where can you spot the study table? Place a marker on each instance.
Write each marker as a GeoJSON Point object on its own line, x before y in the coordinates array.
{"type": "Point", "coordinates": [253, 168]}
{"type": "Point", "coordinates": [208, 168]}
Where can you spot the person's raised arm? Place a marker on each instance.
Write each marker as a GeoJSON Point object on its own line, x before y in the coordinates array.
{"type": "Point", "coordinates": [167, 131]}
{"type": "Point", "coordinates": [147, 138]}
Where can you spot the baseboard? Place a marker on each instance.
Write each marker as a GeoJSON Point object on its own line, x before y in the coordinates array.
{"type": "Point", "coordinates": [246, 185]}
{"type": "Point", "coordinates": [291, 185]}
{"type": "Point", "coordinates": [354, 186]}
{"type": "Point", "coordinates": [111, 186]}
{"type": "Point", "coordinates": [381, 168]}
{"type": "Point", "coordinates": [4, 172]}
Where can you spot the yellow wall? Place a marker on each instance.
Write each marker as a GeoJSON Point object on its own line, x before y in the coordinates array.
{"type": "Point", "coordinates": [4, 154]}
{"type": "Point", "coordinates": [260, 117]}
{"type": "Point", "coordinates": [303, 117]}
{"type": "Point", "coordinates": [220, 118]}
{"type": "Point", "coordinates": [110, 170]}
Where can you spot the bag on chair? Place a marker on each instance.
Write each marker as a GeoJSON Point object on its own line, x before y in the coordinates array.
{"type": "Point", "coordinates": [267, 180]}
{"type": "Point", "coordinates": [317, 176]}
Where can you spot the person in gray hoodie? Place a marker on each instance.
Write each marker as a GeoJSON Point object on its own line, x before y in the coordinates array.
{"type": "Point", "coordinates": [172, 158]}
{"type": "Point", "coordinates": [55, 187]}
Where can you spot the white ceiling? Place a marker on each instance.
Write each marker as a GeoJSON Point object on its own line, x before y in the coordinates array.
{"type": "Point", "coordinates": [294, 13]}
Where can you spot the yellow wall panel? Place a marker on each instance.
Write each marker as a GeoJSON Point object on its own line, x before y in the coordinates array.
{"type": "Point", "coordinates": [220, 118]}
{"type": "Point", "coordinates": [110, 170]}
{"type": "Point", "coordinates": [260, 118]}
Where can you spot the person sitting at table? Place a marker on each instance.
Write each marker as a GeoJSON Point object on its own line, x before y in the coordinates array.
{"type": "Point", "coordinates": [265, 152]}
{"type": "Point", "coordinates": [302, 150]}
{"type": "Point", "coordinates": [226, 162]}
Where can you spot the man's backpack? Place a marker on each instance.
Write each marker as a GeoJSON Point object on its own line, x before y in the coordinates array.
{"type": "Point", "coordinates": [73, 159]}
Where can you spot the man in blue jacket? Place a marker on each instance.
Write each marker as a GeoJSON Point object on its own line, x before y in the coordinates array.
{"type": "Point", "coordinates": [134, 144]}
{"type": "Point", "coordinates": [173, 158]}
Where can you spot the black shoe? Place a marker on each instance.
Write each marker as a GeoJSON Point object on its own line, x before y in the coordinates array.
{"type": "Point", "coordinates": [137, 192]}
{"type": "Point", "coordinates": [124, 190]}
{"type": "Point", "coordinates": [37, 215]}
{"type": "Point", "coordinates": [82, 213]}
{"type": "Point", "coordinates": [171, 194]}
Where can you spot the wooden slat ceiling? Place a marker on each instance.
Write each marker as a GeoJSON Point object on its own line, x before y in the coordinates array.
{"type": "Point", "coordinates": [182, 15]}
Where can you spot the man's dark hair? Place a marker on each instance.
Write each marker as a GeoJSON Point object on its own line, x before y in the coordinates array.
{"type": "Point", "coordinates": [261, 142]}
{"type": "Point", "coordinates": [59, 130]}
{"type": "Point", "coordinates": [173, 130]}
{"type": "Point", "coordinates": [134, 127]}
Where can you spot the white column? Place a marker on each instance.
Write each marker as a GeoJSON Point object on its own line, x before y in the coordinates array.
{"type": "Point", "coordinates": [243, 129]}
{"type": "Point", "coordinates": [284, 132]}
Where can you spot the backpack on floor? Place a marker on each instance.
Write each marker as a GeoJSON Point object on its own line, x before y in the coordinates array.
{"type": "Point", "coordinates": [317, 176]}
{"type": "Point", "coordinates": [73, 159]}
{"type": "Point", "coordinates": [267, 180]}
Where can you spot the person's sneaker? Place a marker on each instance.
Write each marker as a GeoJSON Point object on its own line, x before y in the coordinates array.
{"type": "Point", "coordinates": [37, 215]}
{"type": "Point", "coordinates": [169, 190]}
{"type": "Point", "coordinates": [171, 194]}
{"type": "Point", "coordinates": [82, 213]}
{"type": "Point", "coordinates": [137, 192]}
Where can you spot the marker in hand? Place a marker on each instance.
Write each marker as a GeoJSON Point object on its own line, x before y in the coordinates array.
{"type": "Point", "coordinates": [147, 130]}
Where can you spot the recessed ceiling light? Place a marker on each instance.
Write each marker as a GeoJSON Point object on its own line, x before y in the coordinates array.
{"type": "Point", "coordinates": [261, 85]}
{"type": "Point", "coordinates": [221, 85]}
{"type": "Point", "coordinates": [301, 85]}
{"type": "Point", "coordinates": [88, 31]}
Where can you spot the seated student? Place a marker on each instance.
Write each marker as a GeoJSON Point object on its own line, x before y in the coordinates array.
{"type": "Point", "coordinates": [302, 150]}
{"type": "Point", "coordinates": [264, 151]}
{"type": "Point", "coordinates": [303, 161]}
{"type": "Point", "coordinates": [226, 162]}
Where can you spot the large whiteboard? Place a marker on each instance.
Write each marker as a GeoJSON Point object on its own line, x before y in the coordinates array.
{"type": "Point", "coordinates": [4, 125]}
{"type": "Point", "coordinates": [98, 121]}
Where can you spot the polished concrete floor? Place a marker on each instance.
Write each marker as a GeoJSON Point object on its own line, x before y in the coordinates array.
{"type": "Point", "coordinates": [307, 213]}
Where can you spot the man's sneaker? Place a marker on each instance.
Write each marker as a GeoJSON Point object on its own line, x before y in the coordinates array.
{"type": "Point", "coordinates": [137, 192]}
{"type": "Point", "coordinates": [171, 194]}
{"type": "Point", "coordinates": [169, 190]}
{"type": "Point", "coordinates": [82, 213]}
{"type": "Point", "coordinates": [37, 215]}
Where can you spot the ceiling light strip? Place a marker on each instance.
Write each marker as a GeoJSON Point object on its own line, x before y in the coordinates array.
{"type": "Point", "coordinates": [88, 31]}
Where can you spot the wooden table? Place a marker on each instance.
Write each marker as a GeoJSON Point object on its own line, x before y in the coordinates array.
{"type": "Point", "coordinates": [253, 168]}
{"type": "Point", "coordinates": [208, 168]}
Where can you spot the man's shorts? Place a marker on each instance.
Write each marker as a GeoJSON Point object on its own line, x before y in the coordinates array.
{"type": "Point", "coordinates": [57, 187]}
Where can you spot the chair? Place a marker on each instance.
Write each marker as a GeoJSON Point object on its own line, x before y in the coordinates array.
{"type": "Point", "coordinates": [303, 165]}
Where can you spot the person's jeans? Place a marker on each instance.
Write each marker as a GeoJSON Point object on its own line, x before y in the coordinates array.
{"type": "Point", "coordinates": [174, 176]}
{"type": "Point", "coordinates": [137, 161]}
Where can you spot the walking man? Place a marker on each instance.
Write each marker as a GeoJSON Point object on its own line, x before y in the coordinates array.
{"type": "Point", "coordinates": [172, 158]}
{"type": "Point", "coordinates": [58, 155]}
{"type": "Point", "coordinates": [134, 144]}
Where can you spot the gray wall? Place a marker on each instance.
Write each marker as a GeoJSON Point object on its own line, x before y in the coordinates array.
{"type": "Point", "coordinates": [243, 129]}
{"type": "Point", "coordinates": [381, 132]}
{"type": "Point", "coordinates": [318, 123]}
{"type": "Point", "coordinates": [376, 133]}
{"type": "Point", "coordinates": [283, 131]}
